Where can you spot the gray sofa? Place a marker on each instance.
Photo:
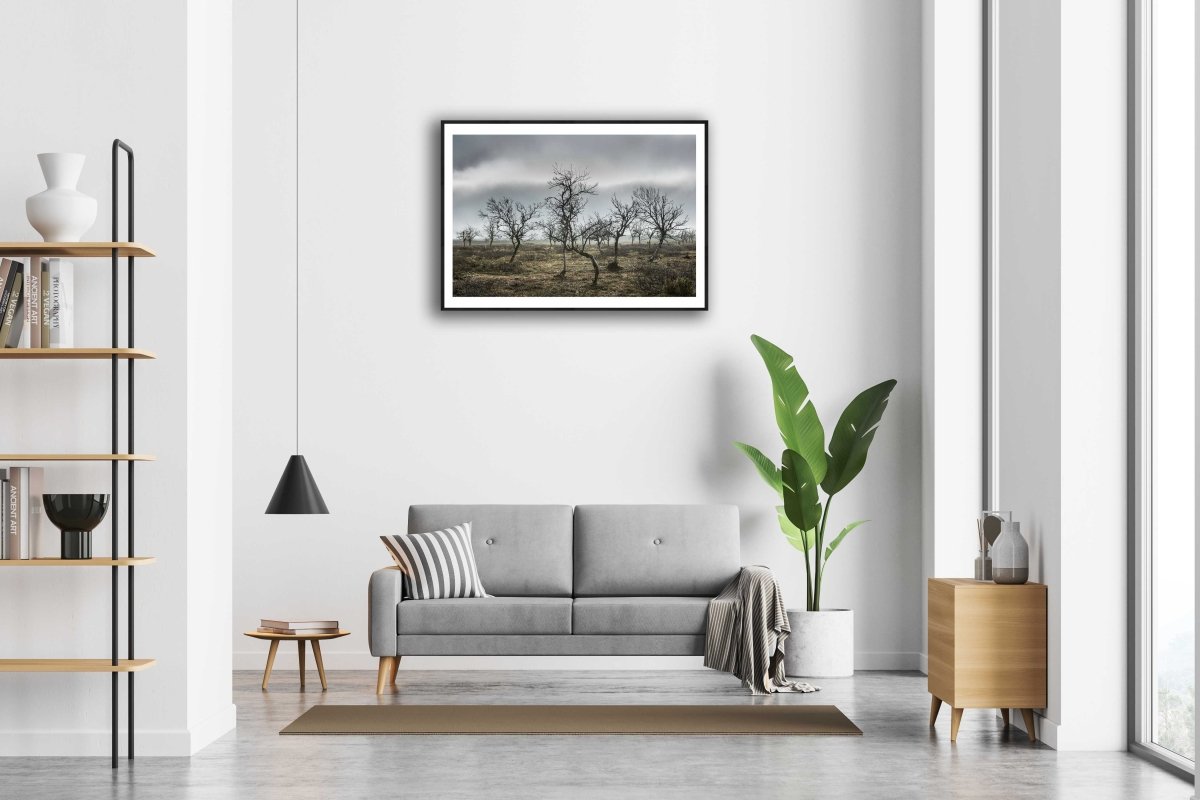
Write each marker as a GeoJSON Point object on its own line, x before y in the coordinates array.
{"type": "Point", "coordinates": [589, 580]}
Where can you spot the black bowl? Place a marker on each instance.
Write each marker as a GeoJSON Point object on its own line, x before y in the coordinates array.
{"type": "Point", "coordinates": [75, 512]}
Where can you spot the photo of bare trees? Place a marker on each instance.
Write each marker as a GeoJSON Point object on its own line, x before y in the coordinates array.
{"type": "Point", "coordinates": [574, 215]}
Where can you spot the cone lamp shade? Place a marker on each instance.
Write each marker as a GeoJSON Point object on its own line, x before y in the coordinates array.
{"type": "Point", "coordinates": [297, 492]}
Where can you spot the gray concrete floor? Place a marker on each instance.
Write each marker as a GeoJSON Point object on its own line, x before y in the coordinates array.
{"type": "Point", "coordinates": [899, 756]}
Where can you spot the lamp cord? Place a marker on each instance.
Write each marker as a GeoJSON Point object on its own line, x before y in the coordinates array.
{"type": "Point", "coordinates": [297, 227]}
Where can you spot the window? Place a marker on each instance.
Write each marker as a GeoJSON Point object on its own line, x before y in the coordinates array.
{"type": "Point", "coordinates": [1164, 263]}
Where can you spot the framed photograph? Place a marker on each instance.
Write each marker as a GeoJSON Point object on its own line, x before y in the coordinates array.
{"type": "Point", "coordinates": [574, 215]}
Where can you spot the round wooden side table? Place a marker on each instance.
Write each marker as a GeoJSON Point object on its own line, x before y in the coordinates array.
{"type": "Point", "coordinates": [299, 639]}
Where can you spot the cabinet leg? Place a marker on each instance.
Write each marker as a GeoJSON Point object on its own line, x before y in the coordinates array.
{"type": "Point", "coordinates": [1027, 715]}
{"type": "Point", "coordinates": [270, 663]}
{"type": "Point", "coordinates": [300, 651]}
{"type": "Point", "coordinates": [320, 663]}
{"type": "Point", "coordinates": [1004, 713]}
{"type": "Point", "coordinates": [385, 670]}
{"type": "Point", "coordinates": [935, 705]}
{"type": "Point", "coordinates": [955, 720]}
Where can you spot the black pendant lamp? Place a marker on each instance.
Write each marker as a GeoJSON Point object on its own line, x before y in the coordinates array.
{"type": "Point", "coordinates": [297, 491]}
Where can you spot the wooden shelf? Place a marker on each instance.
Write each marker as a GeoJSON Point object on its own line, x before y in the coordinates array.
{"type": "Point", "coordinates": [74, 664]}
{"type": "Point", "coordinates": [74, 249]}
{"type": "Point", "coordinates": [74, 353]}
{"type": "Point", "coordinates": [74, 457]}
{"type": "Point", "coordinates": [126, 561]}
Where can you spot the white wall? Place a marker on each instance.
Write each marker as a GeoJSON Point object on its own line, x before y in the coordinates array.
{"type": "Point", "coordinates": [106, 70]}
{"type": "Point", "coordinates": [815, 113]}
{"type": "Point", "coordinates": [1028, 393]}
{"type": "Point", "coordinates": [1062, 335]}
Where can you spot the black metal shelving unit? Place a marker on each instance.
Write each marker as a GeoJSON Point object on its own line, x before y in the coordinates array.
{"type": "Point", "coordinates": [117, 148]}
{"type": "Point", "coordinates": [116, 354]}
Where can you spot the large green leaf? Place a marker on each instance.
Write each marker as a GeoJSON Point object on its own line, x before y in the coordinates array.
{"type": "Point", "coordinates": [801, 540]}
{"type": "Point", "coordinates": [829, 548]}
{"type": "Point", "coordinates": [795, 414]}
{"type": "Point", "coordinates": [853, 435]}
{"type": "Point", "coordinates": [766, 467]}
{"type": "Point", "coordinates": [801, 502]}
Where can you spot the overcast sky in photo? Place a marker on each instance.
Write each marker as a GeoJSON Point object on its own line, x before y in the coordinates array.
{"type": "Point", "coordinates": [519, 167]}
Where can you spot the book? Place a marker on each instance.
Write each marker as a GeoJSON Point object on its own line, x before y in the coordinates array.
{"type": "Point", "coordinates": [286, 626]}
{"type": "Point", "coordinates": [40, 540]}
{"type": "Point", "coordinates": [12, 516]}
{"type": "Point", "coordinates": [31, 322]}
{"type": "Point", "coordinates": [297, 631]}
{"type": "Point", "coordinates": [62, 303]}
{"type": "Point", "coordinates": [8, 297]}
{"type": "Point", "coordinates": [44, 303]}
{"type": "Point", "coordinates": [24, 511]}
{"type": "Point", "coordinates": [10, 324]}
{"type": "Point", "coordinates": [4, 489]}
{"type": "Point", "coordinates": [5, 267]}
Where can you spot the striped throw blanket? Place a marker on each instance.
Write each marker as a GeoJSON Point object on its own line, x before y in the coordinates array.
{"type": "Point", "coordinates": [747, 626]}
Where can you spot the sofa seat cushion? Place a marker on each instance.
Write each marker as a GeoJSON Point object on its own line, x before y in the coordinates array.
{"type": "Point", "coordinates": [505, 616]}
{"type": "Point", "coordinates": [639, 616]}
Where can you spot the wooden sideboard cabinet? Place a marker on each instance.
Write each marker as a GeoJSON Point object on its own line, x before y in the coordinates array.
{"type": "Point", "coordinates": [987, 648]}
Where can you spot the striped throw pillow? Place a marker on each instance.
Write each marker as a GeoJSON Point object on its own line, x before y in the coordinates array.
{"type": "Point", "coordinates": [437, 565]}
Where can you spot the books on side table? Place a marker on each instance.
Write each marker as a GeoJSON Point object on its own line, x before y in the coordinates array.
{"type": "Point", "coordinates": [37, 302]}
{"type": "Point", "coordinates": [297, 628]}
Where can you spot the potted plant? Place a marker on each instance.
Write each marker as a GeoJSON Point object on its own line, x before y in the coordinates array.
{"type": "Point", "coordinates": [822, 640]}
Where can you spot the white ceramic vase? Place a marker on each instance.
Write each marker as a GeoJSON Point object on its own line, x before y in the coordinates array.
{"type": "Point", "coordinates": [61, 213]}
{"type": "Point", "coordinates": [821, 644]}
{"type": "Point", "coordinates": [1010, 555]}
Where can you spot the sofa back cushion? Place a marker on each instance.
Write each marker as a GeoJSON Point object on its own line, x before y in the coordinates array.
{"type": "Point", "coordinates": [520, 551]}
{"type": "Point", "coordinates": [654, 550]}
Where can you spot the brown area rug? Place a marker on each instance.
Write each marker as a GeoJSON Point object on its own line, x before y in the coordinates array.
{"type": "Point", "coordinates": [727, 720]}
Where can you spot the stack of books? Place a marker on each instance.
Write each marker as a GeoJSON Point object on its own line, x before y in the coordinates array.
{"type": "Point", "coordinates": [303, 628]}
{"type": "Point", "coordinates": [21, 514]}
{"type": "Point", "coordinates": [37, 302]}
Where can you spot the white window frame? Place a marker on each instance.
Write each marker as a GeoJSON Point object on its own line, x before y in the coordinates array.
{"type": "Point", "coordinates": [1141, 675]}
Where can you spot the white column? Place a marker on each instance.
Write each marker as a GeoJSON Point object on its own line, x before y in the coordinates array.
{"type": "Point", "coordinates": [1094, 274]}
{"type": "Point", "coordinates": [952, 267]}
{"type": "Point", "coordinates": [210, 712]}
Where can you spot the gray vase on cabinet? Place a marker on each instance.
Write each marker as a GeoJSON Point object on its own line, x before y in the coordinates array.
{"type": "Point", "coordinates": [1010, 555]}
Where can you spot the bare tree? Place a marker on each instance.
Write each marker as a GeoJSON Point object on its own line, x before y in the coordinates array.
{"type": "Point", "coordinates": [569, 190]}
{"type": "Point", "coordinates": [468, 235]}
{"type": "Point", "coordinates": [664, 218]}
{"type": "Point", "coordinates": [514, 220]}
{"type": "Point", "coordinates": [490, 228]}
{"type": "Point", "coordinates": [550, 230]}
{"type": "Point", "coordinates": [596, 229]}
{"type": "Point", "coordinates": [622, 216]}
{"type": "Point", "coordinates": [637, 230]}
{"type": "Point", "coordinates": [687, 236]}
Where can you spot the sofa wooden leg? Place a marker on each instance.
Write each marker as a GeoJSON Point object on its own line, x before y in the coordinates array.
{"type": "Point", "coordinates": [387, 667]}
{"type": "Point", "coordinates": [395, 669]}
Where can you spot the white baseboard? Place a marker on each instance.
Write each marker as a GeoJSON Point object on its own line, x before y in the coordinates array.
{"type": "Point", "coordinates": [887, 661]}
{"type": "Point", "coordinates": [1047, 729]}
{"type": "Point", "coordinates": [360, 660]}
{"type": "Point", "coordinates": [213, 728]}
{"type": "Point", "coordinates": [923, 663]}
{"type": "Point", "coordinates": [151, 743]}
{"type": "Point", "coordinates": [363, 660]}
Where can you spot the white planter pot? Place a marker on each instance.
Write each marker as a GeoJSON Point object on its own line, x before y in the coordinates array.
{"type": "Point", "coordinates": [61, 213]}
{"type": "Point", "coordinates": [821, 644]}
